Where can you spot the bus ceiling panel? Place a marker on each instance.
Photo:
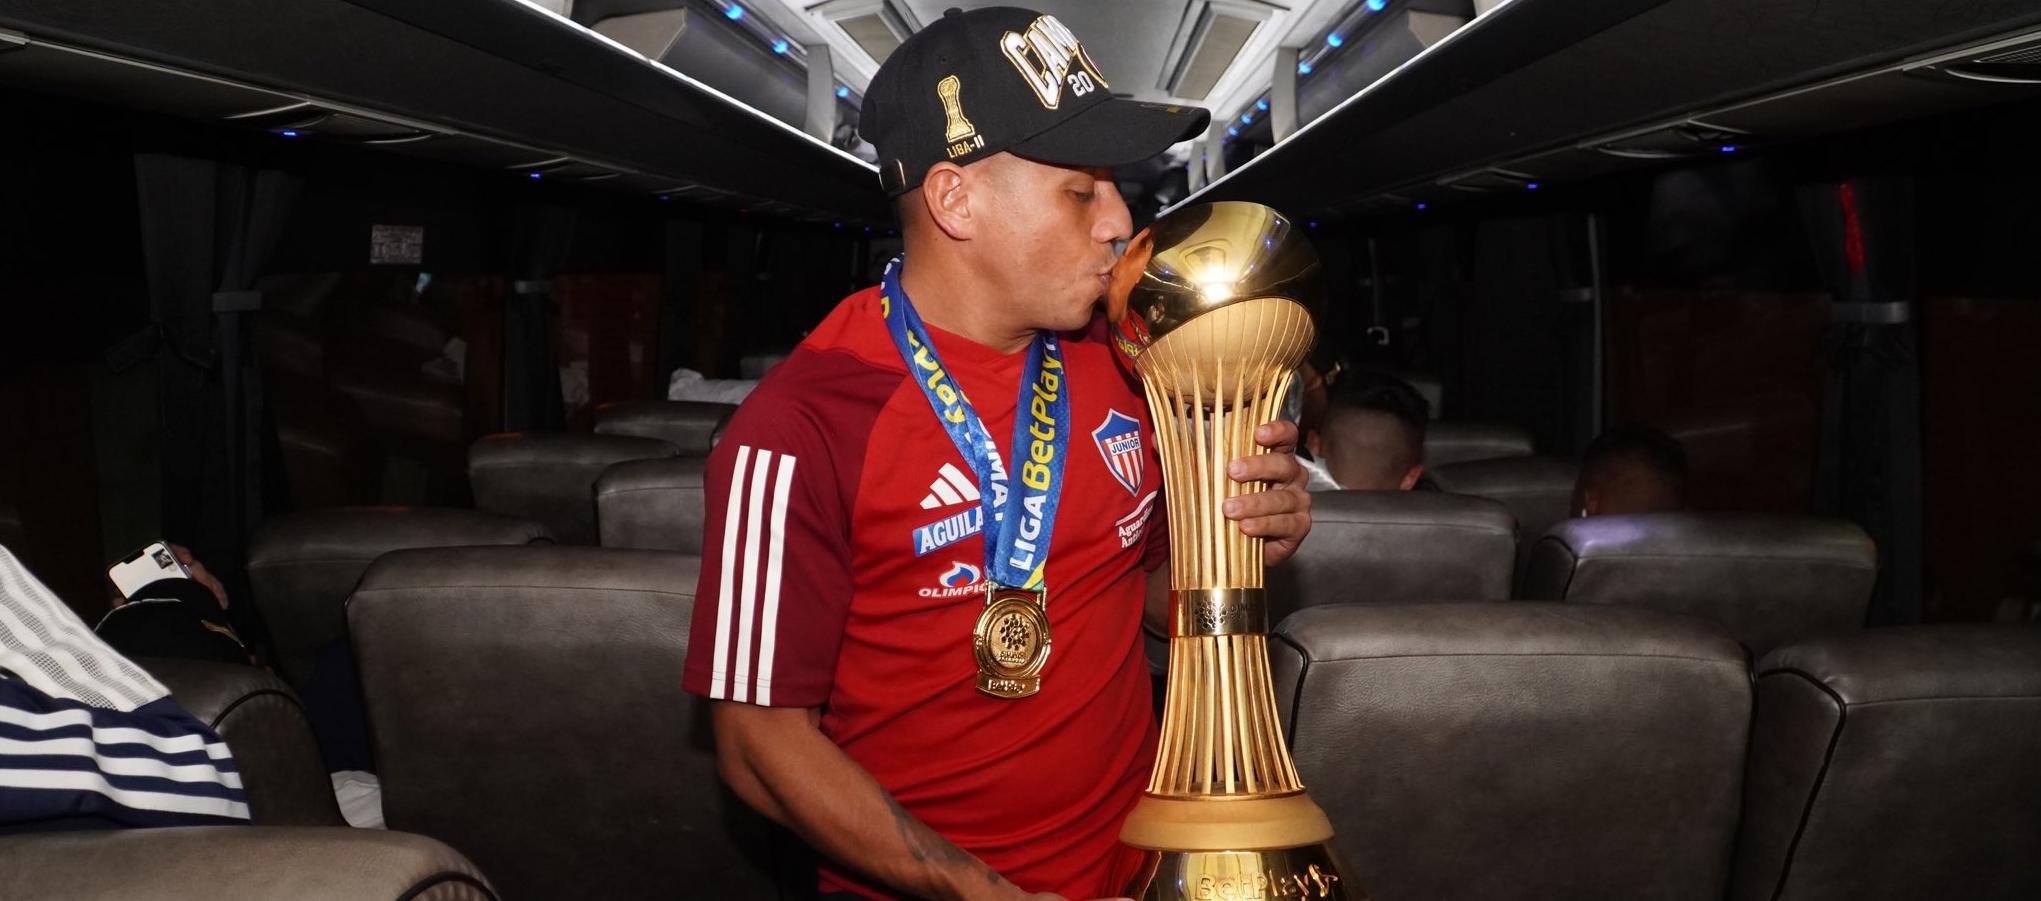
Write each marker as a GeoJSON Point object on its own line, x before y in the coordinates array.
{"type": "Point", "coordinates": [80, 75]}
{"type": "Point", "coordinates": [1540, 76]}
{"type": "Point", "coordinates": [488, 68]}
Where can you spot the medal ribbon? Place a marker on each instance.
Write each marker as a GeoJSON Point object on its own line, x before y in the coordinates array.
{"type": "Point", "coordinates": [1018, 523]}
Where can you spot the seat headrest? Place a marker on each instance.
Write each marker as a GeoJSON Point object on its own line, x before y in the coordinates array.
{"type": "Point", "coordinates": [302, 565]}
{"type": "Point", "coordinates": [361, 534]}
{"type": "Point", "coordinates": [689, 425]}
{"type": "Point", "coordinates": [1919, 663]}
{"type": "Point", "coordinates": [1392, 547]}
{"type": "Point", "coordinates": [551, 477]}
{"type": "Point", "coordinates": [544, 570]}
{"type": "Point", "coordinates": [652, 504]}
{"type": "Point", "coordinates": [1895, 762]}
{"type": "Point", "coordinates": [1460, 442]}
{"type": "Point", "coordinates": [542, 449]}
{"type": "Point", "coordinates": [1507, 478]}
{"type": "Point", "coordinates": [1556, 746]}
{"type": "Point", "coordinates": [1369, 631]}
{"type": "Point", "coordinates": [527, 707]}
{"type": "Point", "coordinates": [662, 474]}
{"type": "Point", "coordinates": [1768, 578]}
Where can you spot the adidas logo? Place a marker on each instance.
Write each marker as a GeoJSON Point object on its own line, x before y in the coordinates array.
{"type": "Point", "coordinates": [951, 486]}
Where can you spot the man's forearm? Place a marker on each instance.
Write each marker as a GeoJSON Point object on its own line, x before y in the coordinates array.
{"type": "Point", "coordinates": [778, 762]}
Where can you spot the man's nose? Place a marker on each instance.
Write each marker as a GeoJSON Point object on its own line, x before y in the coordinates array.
{"type": "Point", "coordinates": [1114, 222]}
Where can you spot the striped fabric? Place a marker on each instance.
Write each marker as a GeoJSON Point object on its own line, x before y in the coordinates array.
{"type": "Point", "coordinates": [89, 739]}
{"type": "Point", "coordinates": [754, 542]}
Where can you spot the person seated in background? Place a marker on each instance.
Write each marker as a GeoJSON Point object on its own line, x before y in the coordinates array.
{"type": "Point", "coordinates": [1371, 437]}
{"type": "Point", "coordinates": [88, 739]}
{"type": "Point", "coordinates": [1631, 469]}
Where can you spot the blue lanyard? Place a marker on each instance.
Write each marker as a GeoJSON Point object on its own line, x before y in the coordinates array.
{"type": "Point", "coordinates": [1017, 544]}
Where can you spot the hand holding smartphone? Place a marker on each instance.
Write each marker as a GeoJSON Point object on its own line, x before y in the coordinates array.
{"type": "Point", "coordinates": [154, 561]}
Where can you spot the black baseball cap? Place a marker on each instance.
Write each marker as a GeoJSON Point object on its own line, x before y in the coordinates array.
{"type": "Point", "coordinates": [975, 83]}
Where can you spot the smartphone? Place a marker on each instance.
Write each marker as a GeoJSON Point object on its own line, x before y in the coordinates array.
{"type": "Point", "coordinates": [145, 566]}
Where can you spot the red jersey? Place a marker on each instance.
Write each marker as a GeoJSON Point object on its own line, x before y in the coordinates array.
{"type": "Point", "coordinates": [843, 568]}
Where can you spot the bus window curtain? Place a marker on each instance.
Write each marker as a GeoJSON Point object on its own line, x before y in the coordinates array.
{"type": "Point", "coordinates": [1868, 463]}
{"type": "Point", "coordinates": [541, 238]}
{"type": "Point", "coordinates": [208, 228]}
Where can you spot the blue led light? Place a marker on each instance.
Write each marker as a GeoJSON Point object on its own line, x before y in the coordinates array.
{"type": "Point", "coordinates": [288, 133]}
{"type": "Point", "coordinates": [1261, 104]}
{"type": "Point", "coordinates": [1233, 132]}
{"type": "Point", "coordinates": [1533, 186]}
{"type": "Point", "coordinates": [1424, 206]}
{"type": "Point", "coordinates": [1729, 148]}
{"type": "Point", "coordinates": [779, 47]}
{"type": "Point", "coordinates": [835, 225]}
{"type": "Point", "coordinates": [842, 92]}
{"type": "Point", "coordinates": [1334, 40]}
{"type": "Point", "coordinates": [1313, 223]}
{"type": "Point", "coordinates": [534, 176]}
{"type": "Point", "coordinates": [734, 13]}
{"type": "Point", "coordinates": [1303, 68]}
{"type": "Point", "coordinates": [1247, 118]}
{"type": "Point", "coordinates": [1375, 6]}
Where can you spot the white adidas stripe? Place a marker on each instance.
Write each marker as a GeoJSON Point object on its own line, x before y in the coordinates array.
{"type": "Point", "coordinates": [115, 735]}
{"type": "Point", "coordinates": [748, 594]}
{"type": "Point", "coordinates": [733, 507]}
{"type": "Point", "coordinates": [139, 800]}
{"type": "Point", "coordinates": [118, 766]}
{"type": "Point", "coordinates": [951, 486]}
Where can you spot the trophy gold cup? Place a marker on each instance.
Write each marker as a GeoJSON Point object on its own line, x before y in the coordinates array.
{"type": "Point", "coordinates": [1209, 310]}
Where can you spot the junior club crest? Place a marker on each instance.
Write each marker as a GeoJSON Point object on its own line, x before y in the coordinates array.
{"type": "Point", "coordinates": [1119, 441]}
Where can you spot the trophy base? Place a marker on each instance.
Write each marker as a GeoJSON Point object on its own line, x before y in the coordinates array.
{"type": "Point", "coordinates": [1309, 871]}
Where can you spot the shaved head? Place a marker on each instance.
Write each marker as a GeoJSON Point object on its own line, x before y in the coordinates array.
{"type": "Point", "coordinates": [1631, 469]}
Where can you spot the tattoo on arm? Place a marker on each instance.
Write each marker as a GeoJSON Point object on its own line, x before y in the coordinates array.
{"type": "Point", "coordinates": [924, 845]}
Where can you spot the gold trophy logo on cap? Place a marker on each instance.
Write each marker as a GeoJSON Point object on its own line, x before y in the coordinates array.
{"type": "Point", "coordinates": [1209, 310]}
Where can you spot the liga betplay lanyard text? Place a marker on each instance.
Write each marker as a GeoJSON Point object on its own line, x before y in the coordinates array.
{"type": "Point", "coordinates": [1018, 523]}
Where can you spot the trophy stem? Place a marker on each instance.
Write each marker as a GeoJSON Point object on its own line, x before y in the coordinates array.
{"type": "Point", "coordinates": [1225, 814]}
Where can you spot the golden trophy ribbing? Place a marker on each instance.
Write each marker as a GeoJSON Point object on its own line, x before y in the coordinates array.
{"type": "Point", "coordinates": [1209, 310]}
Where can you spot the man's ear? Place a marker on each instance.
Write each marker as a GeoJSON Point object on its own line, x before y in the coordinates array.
{"type": "Point", "coordinates": [946, 193]}
{"type": "Point", "coordinates": [1410, 478]}
{"type": "Point", "coordinates": [1590, 502]}
{"type": "Point", "coordinates": [1314, 445]}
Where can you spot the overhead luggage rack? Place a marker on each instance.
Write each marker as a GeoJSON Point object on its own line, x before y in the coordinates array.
{"type": "Point", "coordinates": [1554, 90]}
{"type": "Point", "coordinates": [488, 83]}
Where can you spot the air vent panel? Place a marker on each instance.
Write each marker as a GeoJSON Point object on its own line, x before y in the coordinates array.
{"type": "Point", "coordinates": [1215, 43]}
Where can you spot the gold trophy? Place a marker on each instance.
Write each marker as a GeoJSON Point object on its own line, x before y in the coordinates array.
{"type": "Point", "coordinates": [1209, 309]}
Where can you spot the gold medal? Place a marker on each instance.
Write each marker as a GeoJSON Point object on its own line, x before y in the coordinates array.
{"type": "Point", "coordinates": [1011, 641]}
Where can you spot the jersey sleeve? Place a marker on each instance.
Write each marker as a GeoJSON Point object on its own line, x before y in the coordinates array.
{"type": "Point", "coordinates": [775, 578]}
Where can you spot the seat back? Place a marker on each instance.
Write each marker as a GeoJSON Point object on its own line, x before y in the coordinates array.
{"type": "Point", "coordinates": [264, 725]}
{"type": "Point", "coordinates": [1518, 751]}
{"type": "Point", "coordinates": [1447, 442]}
{"type": "Point", "coordinates": [687, 424]}
{"type": "Point", "coordinates": [550, 477]}
{"type": "Point", "coordinates": [1896, 763]}
{"type": "Point", "coordinates": [1537, 490]}
{"type": "Point", "coordinates": [1395, 547]}
{"type": "Point", "coordinates": [527, 709]}
{"type": "Point", "coordinates": [1768, 579]}
{"type": "Point", "coordinates": [237, 863]}
{"type": "Point", "coordinates": [302, 566]}
{"type": "Point", "coordinates": [652, 504]}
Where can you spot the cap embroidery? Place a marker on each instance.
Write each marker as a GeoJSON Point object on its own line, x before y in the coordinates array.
{"type": "Point", "coordinates": [961, 135]}
{"type": "Point", "coordinates": [1043, 56]}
